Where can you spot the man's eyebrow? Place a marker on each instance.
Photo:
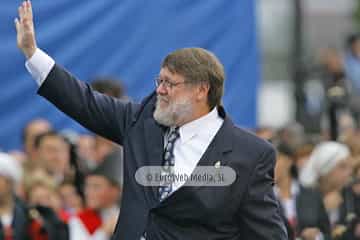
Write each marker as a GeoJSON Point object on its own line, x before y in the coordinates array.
{"type": "Point", "coordinates": [164, 78]}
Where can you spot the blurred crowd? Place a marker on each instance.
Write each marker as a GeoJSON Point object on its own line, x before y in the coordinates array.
{"type": "Point", "coordinates": [63, 185]}
{"type": "Point", "coordinates": [317, 174]}
{"type": "Point", "coordinates": [68, 186]}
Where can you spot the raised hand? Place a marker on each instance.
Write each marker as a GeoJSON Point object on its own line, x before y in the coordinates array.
{"type": "Point", "coordinates": [25, 29]}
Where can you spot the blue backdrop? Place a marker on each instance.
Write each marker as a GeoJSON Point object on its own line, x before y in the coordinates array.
{"type": "Point", "coordinates": [126, 39]}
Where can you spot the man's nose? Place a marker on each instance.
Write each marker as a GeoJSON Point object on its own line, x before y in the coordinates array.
{"type": "Point", "coordinates": [161, 89]}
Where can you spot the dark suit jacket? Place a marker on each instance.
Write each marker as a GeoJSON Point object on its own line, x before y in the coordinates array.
{"type": "Point", "coordinates": [20, 223]}
{"type": "Point", "coordinates": [311, 213]}
{"type": "Point", "coordinates": [245, 210]}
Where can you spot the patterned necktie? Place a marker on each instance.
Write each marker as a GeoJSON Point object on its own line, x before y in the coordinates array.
{"type": "Point", "coordinates": [169, 161]}
{"type": "Point", "coordinates": [165, 189]}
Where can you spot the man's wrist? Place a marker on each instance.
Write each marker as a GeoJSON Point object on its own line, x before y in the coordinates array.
{"type": "Point", "coordinates": [39, 65]}
{"type": "Point", "coordinates": [29, 52]}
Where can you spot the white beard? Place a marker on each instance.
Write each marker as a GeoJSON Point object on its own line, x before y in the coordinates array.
{"type": "Point", "coordinates": [174, 113]}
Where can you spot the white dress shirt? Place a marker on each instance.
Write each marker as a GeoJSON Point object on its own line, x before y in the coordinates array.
{"type": "Point", "coordinates": [195, 136]}
{"type": "Point", "coordinates": [39, 66]}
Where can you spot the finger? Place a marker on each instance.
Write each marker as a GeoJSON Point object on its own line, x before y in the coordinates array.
{"type": "Point", "coordinates": [24, 10]}
{"type": "Point", "coordinates": [30, 8]}
{"type": "Point", "coordinates": [17, 24]}
{"type": "Point", "coordinates": [21, 13]}
{"type": "Point", "coordinates": [26, 7]}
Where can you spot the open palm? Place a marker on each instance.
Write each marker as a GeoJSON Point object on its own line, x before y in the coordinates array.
{"type": "Point", "coordinates": [25, 29]}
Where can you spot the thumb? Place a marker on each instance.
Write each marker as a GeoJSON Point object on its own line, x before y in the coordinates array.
{"type": "Point", "coordinates": [17, 25]}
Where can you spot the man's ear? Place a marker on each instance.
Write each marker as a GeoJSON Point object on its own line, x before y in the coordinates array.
{"type": "Point", "coordinates": [202, 91]}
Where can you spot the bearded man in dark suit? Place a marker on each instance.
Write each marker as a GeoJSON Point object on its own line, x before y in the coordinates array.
{"type": "Point", "coordinates": [180, 126]}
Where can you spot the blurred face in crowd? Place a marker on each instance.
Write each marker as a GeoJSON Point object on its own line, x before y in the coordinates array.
{"type": "Point", "coordinates": [86, 147]}
{"type": "Point", "coordinates": [70, 198]}
{"type": "Point", "coordinates": [34, 129]}
{"type": "Point", "coordinates": [5, 188]}
{"type": "Point", "coordinates": [339, 176]}
{"type": "Point", "coordinates": [332, 60]}
{"type": "Point", "coordinates": [100, 193]}
{"type": "Point", "coordinates": [41, 195]}
{"type": "Point", "coordinates": [178, 101]}
{"type": "Point", "coordinates": [54, 154]}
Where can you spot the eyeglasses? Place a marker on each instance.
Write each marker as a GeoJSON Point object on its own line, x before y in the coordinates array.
{"type": "Point", "coordinates": [166, 83]}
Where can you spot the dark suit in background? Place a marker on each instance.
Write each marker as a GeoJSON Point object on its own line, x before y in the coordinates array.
{"type": "Point", "coordinates": [245, 210]}
{"type": "Point", "coordinates": [311, 212]}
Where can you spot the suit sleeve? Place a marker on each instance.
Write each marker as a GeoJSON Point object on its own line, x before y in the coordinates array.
{"type": "Point", "coordinates": [104, 115]}
{"type": "Point", "coordinates": [260, 215]}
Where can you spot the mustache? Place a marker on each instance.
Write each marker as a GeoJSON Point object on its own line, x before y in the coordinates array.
{"type": "Point", "coordinates": [162, 98]}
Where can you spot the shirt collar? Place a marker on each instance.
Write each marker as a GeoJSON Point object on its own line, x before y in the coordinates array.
{"type": "Point", "coordinates": [195, 127]}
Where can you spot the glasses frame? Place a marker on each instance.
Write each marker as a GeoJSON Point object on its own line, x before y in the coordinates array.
{"type": "Point", "coordinates": [166, 83]}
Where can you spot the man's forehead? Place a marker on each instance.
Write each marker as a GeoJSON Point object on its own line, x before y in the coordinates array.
{"type": "Point", "coordinates": [165, 73]}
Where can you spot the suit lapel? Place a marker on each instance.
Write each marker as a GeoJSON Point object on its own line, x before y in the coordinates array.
{"type": "Point", "coordinates": [219, 146]}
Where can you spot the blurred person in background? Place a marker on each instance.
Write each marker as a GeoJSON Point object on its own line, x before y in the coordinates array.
{"type": "Point", "coordinates": [354, 144]}
{"type": "Point", "coordinates": [108, 153]}
{"type": "Point", "coordinates": [45, 204]}
{"type": "Point", "coordinates": [86, 151]}
{"type": "Point", "coordinates": [303, 207]}
{"type": "Point", "coordinates": [347, 126]}
{"type": "Point", "coordinates": [40, 189]}
{"type": "Point", "coordinates": [54, 155]}
{"type": "Point", "coordinates": [17, 220]}
{"type": "Point", "coordinates": [328, 170]}
{"type": "Point", "coordinates": [13, 214]}
{"type": "Point", "coordinates": [78, 167]}
{"type": "Point", "coordinates": [336, 92]}
{"type": "Point", "coordinates": [72, 201]}
{"type": "Point", "coordinates": [33, 129]}
{"type": "Point", "coordinates": [350, 208]}
{"type": "Point", "coordinates": [352, 70]}
{"type": "Point", "coordinates": [102, 192]}
{"type": "Point", "coordinates": [293, 134]}
{"type": "Point", "coordinates": [302, 155]}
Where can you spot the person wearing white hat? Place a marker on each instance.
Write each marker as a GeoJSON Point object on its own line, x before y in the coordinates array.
{"type": "Point", "coordinates": [328, 169]}
{"type": "Point", "coordinates": [327, 160]}
{"type": "Point", "coordinates": [10, 175]}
